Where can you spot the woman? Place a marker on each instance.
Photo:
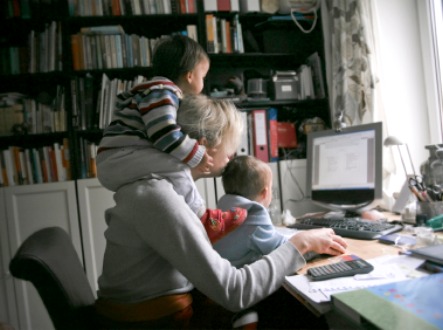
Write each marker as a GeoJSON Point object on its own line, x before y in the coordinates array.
{"type": "Point", "coordinates": [158, 256]}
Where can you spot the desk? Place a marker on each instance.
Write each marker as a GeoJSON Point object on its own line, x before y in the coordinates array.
{"type": "Point", "coordinates": [366, 249]}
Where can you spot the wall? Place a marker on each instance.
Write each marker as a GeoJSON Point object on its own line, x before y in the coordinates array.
{"type": "Point", "coordinates": [402, 74]}
{"type": "Point", "coordinates": [405, 78]}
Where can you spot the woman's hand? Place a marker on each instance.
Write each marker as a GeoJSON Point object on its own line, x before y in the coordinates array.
{"type": "Point", "coordinates": [321, 241]}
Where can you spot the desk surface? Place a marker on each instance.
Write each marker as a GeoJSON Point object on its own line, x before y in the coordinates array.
{"type": "Point", "coordinates": [366, 249]}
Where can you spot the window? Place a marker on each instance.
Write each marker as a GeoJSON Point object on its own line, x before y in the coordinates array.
{"type": "Point", "coordinates": [431, 16]}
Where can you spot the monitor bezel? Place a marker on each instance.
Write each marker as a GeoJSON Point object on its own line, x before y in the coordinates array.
{"type": "Point", "coordinates": [366, 199]}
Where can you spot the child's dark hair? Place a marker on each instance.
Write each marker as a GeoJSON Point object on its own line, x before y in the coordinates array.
{"type": "Point", "coordinates": [245, 176]}
{"type": "Point", "coordinates": [176, 55]}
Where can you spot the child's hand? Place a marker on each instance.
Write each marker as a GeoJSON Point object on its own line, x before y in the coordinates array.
{"type": "Point", "coordinates": [206, 164]}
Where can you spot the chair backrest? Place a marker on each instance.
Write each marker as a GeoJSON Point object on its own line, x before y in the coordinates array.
{"type": "Point", "coordinates": [48, 260]}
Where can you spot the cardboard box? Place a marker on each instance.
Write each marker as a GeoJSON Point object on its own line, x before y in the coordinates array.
{"type": "Point", "coordinates": [285, 87]}
{"type": "Point", "coordinates": [286, 135]}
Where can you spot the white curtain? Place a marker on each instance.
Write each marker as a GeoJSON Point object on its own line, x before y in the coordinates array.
{"type": "Point", "coordinates": [350, 33]}
{"type": "Point", "coordinates": [349, 48]}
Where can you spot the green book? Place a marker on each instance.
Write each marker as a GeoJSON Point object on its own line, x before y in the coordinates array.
{"type": "Point", "coordinates": [411, 304]}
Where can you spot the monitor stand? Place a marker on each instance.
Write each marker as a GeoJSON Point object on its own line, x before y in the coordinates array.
{"type": "Point", "coordinates": [342, 214]}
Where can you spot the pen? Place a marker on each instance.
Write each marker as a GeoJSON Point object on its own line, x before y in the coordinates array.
{"type": "Point", "coordinates": [417, 194]}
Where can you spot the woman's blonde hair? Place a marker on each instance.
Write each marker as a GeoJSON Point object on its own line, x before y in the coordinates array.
{"type": "Point", "coordinates": [217, 120]}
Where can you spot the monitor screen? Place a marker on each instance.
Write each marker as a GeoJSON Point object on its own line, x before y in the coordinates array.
{"type": "Point", "coordinates": [344, 168]}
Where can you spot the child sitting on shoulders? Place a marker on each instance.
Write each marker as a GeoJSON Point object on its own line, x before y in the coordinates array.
{"type": "Point", "coordinates": [144, 137]}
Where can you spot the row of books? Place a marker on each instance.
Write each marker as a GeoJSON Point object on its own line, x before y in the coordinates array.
{"type": "Point", "coordinates": [82, 102]}
{"type": "Point", "coordinates": [109, 47]}
{"type": "Point", "coordinates": [20, 166]}
{"type": "Point", "coordinates": [233, 5]}
{"type": "Point", "coordinates": [92, 108]}
{"type": "Point", "coordinates": [24, 166]}
{"type": "Point", "coordinates": [264, 136]}
{"type": "Point", "coordinates": [37, 8]}
{"type": "Point", "coordinates": [20, 114]}
{"type": "Point", "coordinates": [130, 7]}
{"type": "Point", "coordinates": [223, 35]}
{"type": "Point", "coordinates": [42, 53]}
{"type": "Point", "coordinates": [109, 90]}
{"type": "Point", "coordinates": [28, 8]}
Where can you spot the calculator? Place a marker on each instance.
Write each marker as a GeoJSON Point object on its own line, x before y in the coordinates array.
{"type": "Point", "coordinates": [340, 269]}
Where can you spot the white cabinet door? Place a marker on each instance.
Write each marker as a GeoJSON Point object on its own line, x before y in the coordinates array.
{"type": "Point", "coordinates": [28, 209]}
{"type": "Point", "coordinates": [93, 200]}
{"type": "Point", "coordinates": [8, 310]}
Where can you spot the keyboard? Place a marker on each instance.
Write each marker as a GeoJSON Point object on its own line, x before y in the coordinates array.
{"type": "Point", "coordinates": [353, 227]}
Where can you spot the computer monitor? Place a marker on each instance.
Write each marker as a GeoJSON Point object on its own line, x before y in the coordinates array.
{"type": "Point", "coordinates": [344, 168]}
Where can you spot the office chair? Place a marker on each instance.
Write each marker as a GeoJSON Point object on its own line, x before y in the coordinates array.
{"type": "Point", "coordinates": [49, 261]}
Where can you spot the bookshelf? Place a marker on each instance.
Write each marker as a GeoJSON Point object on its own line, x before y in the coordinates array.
{"type": "Point", "coordinates": [62, 53]}
{"type": "Point", "coordinates": [53, 102]}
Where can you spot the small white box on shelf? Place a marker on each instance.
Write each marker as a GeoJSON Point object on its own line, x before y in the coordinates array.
{"type": "Point", "coordinates": [210, 5]}
{"type": "Point", "coordinates": [235, 5]}
{"type": "Point", "coordinates": [249, 6]}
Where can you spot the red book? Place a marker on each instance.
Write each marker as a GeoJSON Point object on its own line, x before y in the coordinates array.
{"type": "Point", "coordinates": [44, 165]}
{"type": "Point", "coordinates": [52, 165]}
{"type": "Point", "coordinates": [286, 135]}
{"type": "Point", "coordinates": [16, 8]}
{"type": "Point", "coordinates": [191, 7]}
{"type": "Point", "coordinates": [224, 5]}
{"type": "Point", "coordinates": [76, 46]}
{"type": "Point", "coordinates": [228, 37]}
{"type": "Point", "coordinates": [115, 8]}
{"type": "Point", "coordinates": [183, 7]}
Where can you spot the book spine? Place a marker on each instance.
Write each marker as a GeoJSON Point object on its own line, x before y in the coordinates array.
{"type": "Point", "coordinates": [23, 166]}
{"type": "Point", "coordinates": [37, 166]}
{"type": "Point", "coordinates": [18, 174]}
{"type": "Point", "coordinates": [6, 169]}
{"type": "Point", "coordinates": [210, 39]}
{"type": "Point", "coordinates": [224, 5]}
{"type": "Point", "coordinates": [3, 173]}
{"type": "Point", "coordinates": [61, 174]}
{"type": "Point", "coordinates": [28, 162]}
{"type": "Point", "coordinates": [92, 163]}
{"type": "Point", "coordinates": [66, 158]}
{"type": "Point", "coordinates": [260, 138]}
{"type": "Point", "coordinates": [273, 134]}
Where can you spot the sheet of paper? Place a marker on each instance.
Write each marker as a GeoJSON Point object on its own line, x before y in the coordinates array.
{"type": "Point", "coordinates": [387, 269]}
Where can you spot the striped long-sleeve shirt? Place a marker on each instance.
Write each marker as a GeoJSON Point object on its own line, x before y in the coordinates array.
{"type": "Point", "coordinates": [147, 114]}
